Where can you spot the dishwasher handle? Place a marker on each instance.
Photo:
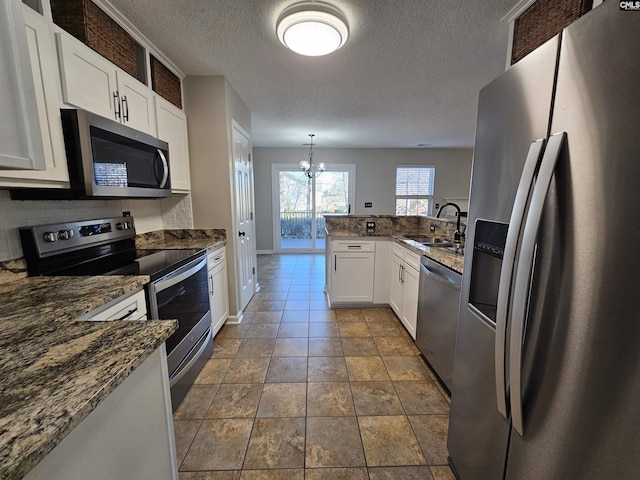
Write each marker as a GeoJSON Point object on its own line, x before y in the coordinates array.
{"type": "Point", "coordinates": [441, 274]}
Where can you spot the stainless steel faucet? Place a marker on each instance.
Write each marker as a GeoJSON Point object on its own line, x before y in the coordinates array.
{"type": "Point", "coordinates": [458, 236]}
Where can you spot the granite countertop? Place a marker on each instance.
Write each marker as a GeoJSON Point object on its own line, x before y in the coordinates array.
{"type": "Point", "coordinates": [182, 239]}
{"type": "Point", "coordinates": [55, 370]}
{"type": "Point", "coordinates": [454, 261]}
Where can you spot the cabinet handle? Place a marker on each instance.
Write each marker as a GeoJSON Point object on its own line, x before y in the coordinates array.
{"type": "Point", "coordinates": [129, 313]}
{"type": "Point", "coordinates": [215, 259]}
{"type": "Point", "coordinates": [125, 113]}
{"type": "Point", "coordinates": [211, 279]}
{"type": "Point", "coordinates": [335, 263]}
{"type": "Point", "coordinates": [354, 247]}
{"type": "Point", "coordinates": [402, 274]}
{"type": "Point", "coordinates": [116, 105]}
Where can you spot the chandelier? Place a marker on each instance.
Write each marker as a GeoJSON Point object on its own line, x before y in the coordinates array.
{"type": "Point", "coordinates": [309, 168]}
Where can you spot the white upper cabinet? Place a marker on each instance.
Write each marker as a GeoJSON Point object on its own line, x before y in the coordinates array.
{"type": "Point", "coordinates": [172, 128]}
{"type": "Point", "coordinates": [20, 136]}
{"type": "Point", "coordinates": [46, 79]}
{"type": "Point", "coordinates": [93, 83]}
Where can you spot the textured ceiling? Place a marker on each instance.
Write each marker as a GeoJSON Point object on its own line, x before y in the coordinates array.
{"type": "Point", "coordinates": [409, 73]}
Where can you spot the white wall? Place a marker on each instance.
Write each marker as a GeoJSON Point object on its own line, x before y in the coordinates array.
{"type": "Point", "coordinates": [375, 177]}
{"type": "Point", "coordinates": [149, 215]}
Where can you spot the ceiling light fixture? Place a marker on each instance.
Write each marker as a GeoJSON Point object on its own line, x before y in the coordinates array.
{"type": "Point", "coordinates": [312, 28]}
{"type": "Point", "coordinates": [309, 168]}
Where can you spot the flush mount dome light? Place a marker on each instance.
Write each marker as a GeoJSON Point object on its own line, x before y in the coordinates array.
{"type": "Point", "coordinates": [312, 28]}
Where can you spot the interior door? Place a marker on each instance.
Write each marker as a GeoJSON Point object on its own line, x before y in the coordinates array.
{"type": "Point", "coordinates": [300, 204]}
{"type": "Point", "coordinates": [245, 246]}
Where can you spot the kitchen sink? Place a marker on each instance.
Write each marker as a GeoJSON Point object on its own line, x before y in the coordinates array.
{"type": "Point", "coordinates": [430, 241]}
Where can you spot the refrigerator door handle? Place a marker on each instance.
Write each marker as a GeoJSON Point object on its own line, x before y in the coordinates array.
{"type": "Point", "coordinates": [508, 266]}
{"type": "Point", "coordinates": [523, 275]}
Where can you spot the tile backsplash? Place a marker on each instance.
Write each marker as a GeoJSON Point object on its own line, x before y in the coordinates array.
{"type": "Point", "coordinates": [149, 214]}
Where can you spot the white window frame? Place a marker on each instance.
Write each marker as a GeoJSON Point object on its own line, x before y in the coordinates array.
{"type": "Point", "coordinates": [428, 197]}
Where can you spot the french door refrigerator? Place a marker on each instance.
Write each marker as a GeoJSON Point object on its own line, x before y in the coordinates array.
{"type": "Point", "coordinates": [546, 380]}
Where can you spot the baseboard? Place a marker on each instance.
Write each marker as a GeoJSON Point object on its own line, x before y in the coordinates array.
{"type": "Point", "coordinates": [235, 319]}
{"type": "Point", "coordinates": [264, 252]}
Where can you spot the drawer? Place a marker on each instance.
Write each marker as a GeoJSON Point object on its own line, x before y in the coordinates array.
{"type": "Point", "coordinates": [412, 259]}
{"type": "Point", "coordinates": [133, 307]}
{"type": "Point", "coordinates": [216, 257]}
{"type": "Point", "coordinates": [353, 246]}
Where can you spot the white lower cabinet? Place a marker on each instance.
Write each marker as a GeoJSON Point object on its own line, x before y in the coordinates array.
{"type": "Point", "coordinates": [128, 307]}
{"type": "Point", "coordinates": [405, 279]}
{"type": "Point", "coordinates": [218, 288]}
{"type": "Point", "coordinates": [352, 271]}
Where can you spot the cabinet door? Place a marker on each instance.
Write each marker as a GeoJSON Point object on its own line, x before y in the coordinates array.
{"type": "Point", "coordinates": [46, 78]}
{"type": "Point", "coordinates": [353, 277]}
{"type": "Point", "coordinates": [395, 293]}
{"type": "Point", "coordinates": [219, 296]}
{"type": "Point", "coordinates": [172, 128]}
{"type": "Point", "coordinates": [88, 79]}
{"type": "Point", "coordinates": [411, 283]}
{"type": "Point", "coordinates": [136, 103]}
{"type": "Point", "coordinates": [20, 136]}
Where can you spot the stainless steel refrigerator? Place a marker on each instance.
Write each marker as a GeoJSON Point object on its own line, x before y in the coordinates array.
{"type": "Point", "coordinates": [546, 380]}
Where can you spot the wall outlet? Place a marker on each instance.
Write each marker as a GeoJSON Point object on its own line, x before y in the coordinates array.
{"type": "Point", "coordinates": [437, 206]}
{"type": "Point", "coordinates": [126, 214]}
{"type": "Point", "coordinates": [432, 228]}
{"type": "Point", "coordinates": [371, 225]}
{"type": "Point", "coordinates": [368, 204]}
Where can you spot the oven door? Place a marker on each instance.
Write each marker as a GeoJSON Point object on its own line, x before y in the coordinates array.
{"type": "Point", "coordinates": [182, 295]}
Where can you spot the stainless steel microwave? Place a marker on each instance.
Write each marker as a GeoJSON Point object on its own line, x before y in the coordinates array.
{"type": "Point", "coordinates": [108, 160]}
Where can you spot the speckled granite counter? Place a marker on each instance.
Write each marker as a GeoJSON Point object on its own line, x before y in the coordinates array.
{"type": "Point", "coordinates": [179, 239]}
{"type": "Point", "coordinates": [454, 261]}
{"type": "Point", "coordinates": [54, 370]}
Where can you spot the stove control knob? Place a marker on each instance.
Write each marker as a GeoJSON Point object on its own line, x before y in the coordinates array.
{"type": "Point", "coordinates": [123, 226]}
{"type": "Point", "coordinates": [50, 237]}
{"type": "Point", "coordinates": [65, 234]}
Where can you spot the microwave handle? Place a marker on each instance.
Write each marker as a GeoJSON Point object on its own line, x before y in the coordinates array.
{"type": "Point", "coordinates": [165, 166]}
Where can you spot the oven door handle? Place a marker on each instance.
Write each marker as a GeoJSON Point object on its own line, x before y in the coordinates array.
{"type": "Point", "coordinates": [179, 275]}
{"type": "Point", "coordinates": [183, 368]}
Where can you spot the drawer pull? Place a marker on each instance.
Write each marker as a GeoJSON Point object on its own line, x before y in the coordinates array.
{"type": "Point", "coordinates": [355, 247]}
{"type": "Point", "coordinates": [129, 313]}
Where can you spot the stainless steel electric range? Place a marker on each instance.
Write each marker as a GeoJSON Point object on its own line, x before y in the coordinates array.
{"type": "Point", "coordinates": [178, 288]}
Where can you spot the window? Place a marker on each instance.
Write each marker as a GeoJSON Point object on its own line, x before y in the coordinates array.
{"type": "Point", "coordinates": [414, 190]}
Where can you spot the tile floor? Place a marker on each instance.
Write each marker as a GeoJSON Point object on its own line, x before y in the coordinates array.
{"type": "Point", "coordinates": [300, 391]}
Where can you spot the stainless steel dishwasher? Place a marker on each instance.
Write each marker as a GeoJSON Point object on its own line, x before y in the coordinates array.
{"type": "Point", "coordinates": [438, 316]}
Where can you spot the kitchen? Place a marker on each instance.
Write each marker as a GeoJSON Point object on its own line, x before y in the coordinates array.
{"type": "Point", "coordinates": [172, 213]}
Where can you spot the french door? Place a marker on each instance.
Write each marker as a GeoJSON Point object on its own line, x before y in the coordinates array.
{"type": "Point", "coordinates": [300, 203]}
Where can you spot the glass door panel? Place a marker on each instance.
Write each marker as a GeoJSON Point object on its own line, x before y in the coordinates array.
{"type": "Point", "coordinates": [295, 211]}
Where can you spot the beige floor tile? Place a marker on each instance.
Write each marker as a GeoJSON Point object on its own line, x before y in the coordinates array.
{"type": "Point", "coordinates": [405, 368]}
{"type": "Point", "coordinates": [274, 305]}
{"type": "Point", "coordinates": [287, 370]}
{"type": "Point", "coordinates": [421, 398]}
{"type": "Point", "coordinates": [291, 347]}
{"type": "Point", "coordinates": [276, 443]}
{"type": "Point", "coordinates": [379, 315]}
{"type": "Point", "coordinates": [283, 400]}
{"type": "Point", "coordinates": [336, 474]}
{"type": "Point", "coordinates": [256, 347]}
{"type": "Point", "coordinates": [431, 431]}
{"type": "Point", "coordinates": [346, 315]}
{"type": "Point", "coordinates": [262, 330]}
{"type": "Point", "coordinates": [366, 369]}
{"type": "Point", "coordinates": [323, 329]}
{"type": "Point", "coordinates": [228, 438]}
{"type": "Point", "coordinates": [288, 474]}
{"type": "Point", "coordinates": [235, 401]}
{"type": "Point", "coordinates": [325, 347]}
{"type": "Point", "coordinates": [233, 330]}
{"type": "Point", "coordinates": [184, 433]}
{"type": "Point", "coordinates": [297, 296]}
{"type": "Point", "coordinates": [389, 441]}
{"type": "Point", "coordinates": [376, 398]}
{"type": "Point", "coordinates": [393, 346]}
{"type": "Point", "coordinates": [213, 371]}
{"type": "Point", "coordinates": [225, 347]}
{"type": "Point", "coordinates": [196, 402]}
{"type": "Point", "coordinates": [297, 305]}
{"type": "Point", "coordinates": [323, 316]}
{"type": "Point", "coordinates": [442, 473]}
{"type": "Point", "coordinates": [247, 370]}
{"type": "Point", "coordinates": [329, 399]}
{"type": "Point", "coordinates": [295, 316]}
{"type": "Point", "coordinates": [354, 329]}
{"type": "Point", "coordinates": [333, 442]}
{"type": "Point", "coordinates": [384, 330]}
{"type": "Point", "coordinates": [274, 296]}
{"type": "Point", "coordinates": [264, 317]}
{"type": "Point", "coordinates": [214, 475]}
{"type": "Point", "coordinates": [318, 305]}
{"type": "Point", "coordinates": [327, 369]}
{"type": "Point", "coordinates": [400, 473]}
{"type": "Point", "coordinates": [359, 347]}
{"type": "Point", "coordinates": [293, 330]}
